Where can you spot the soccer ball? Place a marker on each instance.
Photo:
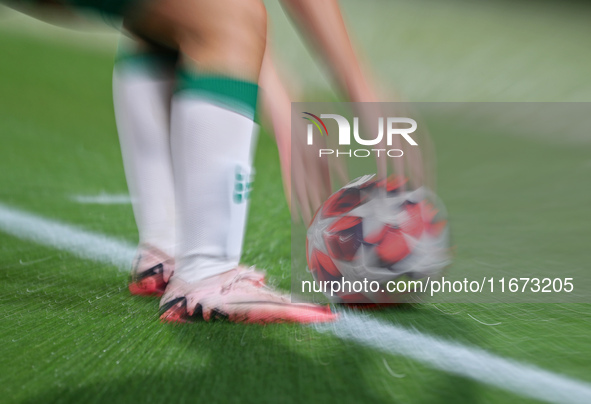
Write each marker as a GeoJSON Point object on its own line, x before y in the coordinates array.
{"type": "Point", "coordinates": [371, 233]}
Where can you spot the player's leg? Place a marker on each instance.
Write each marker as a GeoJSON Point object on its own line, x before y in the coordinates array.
{"type": "Point", "coordinates": [143, 79]}
{"type": "Point", "coordinates": [212, 136]}
{"type": "Point", "coordinates": [212, 124]}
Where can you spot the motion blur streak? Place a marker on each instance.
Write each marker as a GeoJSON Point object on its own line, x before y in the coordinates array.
{"type": "Point", "coordinates": [451, 357]}
{"type": "Point", "coordinates": [447, 356]}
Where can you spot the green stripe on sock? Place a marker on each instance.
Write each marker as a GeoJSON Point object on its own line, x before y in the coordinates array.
{"type": "Point", "coordinates": [238, 95]}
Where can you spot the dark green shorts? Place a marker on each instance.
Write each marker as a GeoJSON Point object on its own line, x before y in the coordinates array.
{"type": "Point", "coordinates": [109, 8]}
{"type": "Point", "coordinates": [117, 8]}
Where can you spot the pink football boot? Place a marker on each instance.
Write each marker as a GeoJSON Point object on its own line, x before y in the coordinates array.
{"type": "Point", "coordinates": [151, 271]}
{"type": "Point", "coordinates": [240, 296]}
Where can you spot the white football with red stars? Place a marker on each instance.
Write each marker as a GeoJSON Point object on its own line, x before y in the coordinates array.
{"type": "Point", "coordinates": [377, 232]}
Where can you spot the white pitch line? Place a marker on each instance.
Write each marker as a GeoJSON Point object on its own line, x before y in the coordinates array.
{"type": "Point", "coordinates": [102, 199]}
{"type": "Point", "coordinates": [469, 362]}
{"type": "Point", "coordinates": [451, 357]}
{"type": "Point", "coordinates": [79, 242]}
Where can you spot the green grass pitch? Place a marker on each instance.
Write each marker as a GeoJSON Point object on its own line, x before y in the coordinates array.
{"type": "Point", "coordinates": [70, 332]}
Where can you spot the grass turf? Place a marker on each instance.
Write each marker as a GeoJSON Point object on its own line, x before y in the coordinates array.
{"type": "Point", "coordinates": [70, 332]}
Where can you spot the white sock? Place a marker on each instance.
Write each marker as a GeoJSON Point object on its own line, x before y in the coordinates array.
{"type": "Point", "coordinates": [142, 91]}
{"type": "Point", "coordinates": [213, 136]}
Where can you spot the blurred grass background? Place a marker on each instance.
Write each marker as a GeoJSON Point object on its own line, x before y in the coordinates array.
{"type": "Point", "coordinates": [427, 50]}
{"type": "Point", "coordinates": [70, 332]}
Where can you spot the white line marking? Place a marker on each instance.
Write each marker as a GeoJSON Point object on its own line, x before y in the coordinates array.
{"type": "Point", "coordinates": [102, 199]}
{"type": "Point", "coordinates": [50, 233]}
{"type": "Point", "coordinates": [469, 362]}
{"type": "Point", "coordinates": [452, 357]}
